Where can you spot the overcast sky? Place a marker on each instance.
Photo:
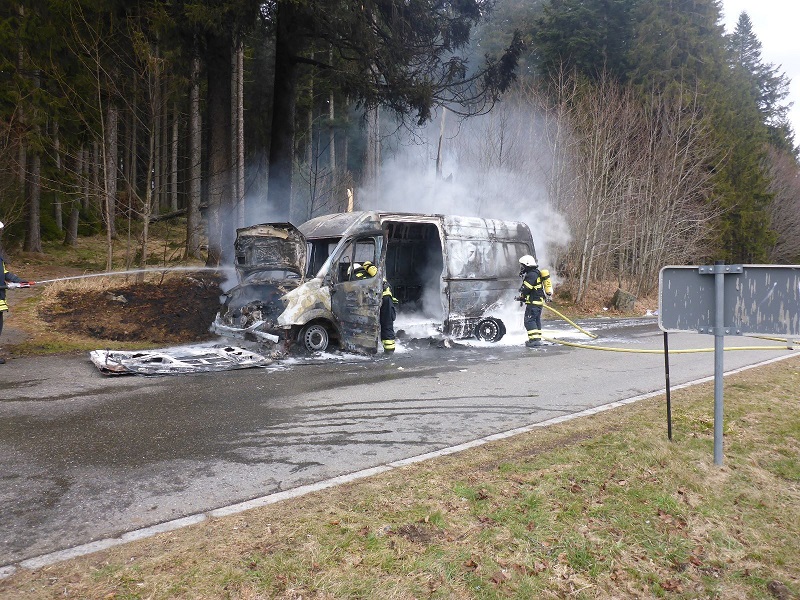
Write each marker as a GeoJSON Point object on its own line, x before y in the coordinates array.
{"type": "Point", "coordinates": [776, 23]}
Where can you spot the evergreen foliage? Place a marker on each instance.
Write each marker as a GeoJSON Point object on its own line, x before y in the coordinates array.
{"type": "Point", "coordinates": [75, 74]}
{"type": "Point", "coordinates": [679, 48]}
{"type": "Point", "coordinates": [590, 38]}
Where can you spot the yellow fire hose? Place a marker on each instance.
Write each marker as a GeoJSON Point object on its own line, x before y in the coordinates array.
{"type": "Point", "coordinates": [578, 327]}
{"type": "Point", "coordinates": [789, 346]}
{"type": "Point", "coordinates": [686, 351]}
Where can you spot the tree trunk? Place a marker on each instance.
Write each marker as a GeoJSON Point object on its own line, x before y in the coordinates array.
{"type": "Point", "coordinates": [84, 177]}
{"type": "Point", "coordinates": [281, 151]}
{"type": "Point", "coordinates": [220, 221]}
{"type": "Point", "coordinates": [33, 241]}
{"type": "Point", "coordinates": [22, 156]}
{"type": "Point", "coordinates": [234, 117]}
{"type": "Point", "coordinates": [312, 174]}
{"type": "Point", "coordinates": [111, 155]}
{"type": "Point", "coordinates": [57, 208]}
{"type": "Point", "coordinates": [155, 126]}
{"type": "Point", "coordinates": [147, 208]}
{"type": "Point", "coordinates": [71, 234]}
{"type": "Point", "coordinates": [334, 178]}
{"type": "Point", "coordinates": [373, 160]}
{"type": "Point", "coordinates": [240, 134]}
{"type": "Point", "coordinates": [133, 188]}
{"type": "Point", "coordinates": [95, 178]}
{"type": "Point", "coordinates": [173, 171]}
{"type": "Point", "coordinates": [163, 199]}
{"type": "Point", "coordinates": [193, 221]}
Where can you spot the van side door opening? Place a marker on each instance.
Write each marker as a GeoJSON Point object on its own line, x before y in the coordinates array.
{"type": "Point", "coordinates": [414, 267]}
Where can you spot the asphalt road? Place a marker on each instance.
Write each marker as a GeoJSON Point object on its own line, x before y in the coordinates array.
{"type": "Point", "coordinates": [85, 456]}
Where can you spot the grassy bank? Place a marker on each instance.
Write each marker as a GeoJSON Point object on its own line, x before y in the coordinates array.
{"type": "Point", "coordinates": [599, 507]}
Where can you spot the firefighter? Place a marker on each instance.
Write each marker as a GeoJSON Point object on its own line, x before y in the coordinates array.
{"type": "Point", "coordinates": [388, 312]}
{"type": "Point", "coordinates": [387, 315]}
{"type": "Point", "coordinates": [536, 289]}
{"type": "Point", "coordinates": [7, 279]}
{"type": "Point", "coordinates": [356, 271]}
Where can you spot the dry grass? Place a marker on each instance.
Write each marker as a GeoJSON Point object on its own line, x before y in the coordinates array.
{"type": "Point", "coordinates": [597, 301]}
{"type": "Point", "coordinates": [87, 258]}
{"type": "Point", "coordinates": [601, 507]}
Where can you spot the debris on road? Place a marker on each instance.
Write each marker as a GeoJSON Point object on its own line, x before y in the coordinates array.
{"type": "Point", "coordinates": [175, 361]}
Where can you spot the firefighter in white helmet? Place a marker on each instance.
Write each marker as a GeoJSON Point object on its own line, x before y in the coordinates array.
{"type": "Point", "coordinates": [536, 289]}
{"type": "Point", "coordinates": [7, 279]}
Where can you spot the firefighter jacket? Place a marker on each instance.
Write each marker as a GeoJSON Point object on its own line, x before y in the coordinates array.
{"type": "Point", "coordinates": [535, 286]}
{"type": "Point", "coordinates": [387, 291]}
{"type": "Point", "coordinates": [7, 276]}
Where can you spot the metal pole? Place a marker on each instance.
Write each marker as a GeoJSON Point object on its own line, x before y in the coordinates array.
{"type": "Point", "coordinates": [666, 374]}
{"type": "Point", "coordinates": [719, 351]}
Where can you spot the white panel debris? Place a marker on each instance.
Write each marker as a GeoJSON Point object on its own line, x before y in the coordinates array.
{"type": "Point", "coordinates": [175, 361]}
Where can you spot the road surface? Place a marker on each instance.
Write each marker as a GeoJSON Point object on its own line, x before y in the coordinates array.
{"type": "Point", "coordinates": [85, 456]}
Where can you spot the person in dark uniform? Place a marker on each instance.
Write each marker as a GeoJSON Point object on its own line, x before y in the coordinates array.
{"type": "Point", "coordinates": [535, 290]}
{"type": "Point", "coordinates": [7, 279]}
{"type": "Point", "coordinates": [387, 315]}
{"type": "Point", "coordinates": [388, 312]}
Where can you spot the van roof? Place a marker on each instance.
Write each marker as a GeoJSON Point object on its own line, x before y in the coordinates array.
{"type": "Point", "coordinates": [335, 224]}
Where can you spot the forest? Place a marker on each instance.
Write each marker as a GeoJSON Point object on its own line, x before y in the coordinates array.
{"type": "Point", "coordinates": [629, 134]}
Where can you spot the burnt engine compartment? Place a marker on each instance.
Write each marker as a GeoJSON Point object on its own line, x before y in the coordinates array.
{"type": "Point", "coordinates": [248, 303]}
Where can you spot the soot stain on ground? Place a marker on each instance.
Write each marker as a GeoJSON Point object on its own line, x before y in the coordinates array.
{"type": "Point", "coordinates": [177, 310]}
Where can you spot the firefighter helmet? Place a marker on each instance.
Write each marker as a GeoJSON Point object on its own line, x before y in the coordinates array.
{"type": "Point", "coordinates": [353, 268]}
{"type": "Point", "coordinates": [527, 261]}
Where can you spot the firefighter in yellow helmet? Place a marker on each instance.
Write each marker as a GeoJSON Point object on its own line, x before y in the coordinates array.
{"type": "Point", "coordinates": [536, 289]}
{"type": "Point", "coordinates": [363, 270]}
{"type": "Point", "coordinates": [387, 312]}
{"type": "Point", "coordinates": [370, 269]}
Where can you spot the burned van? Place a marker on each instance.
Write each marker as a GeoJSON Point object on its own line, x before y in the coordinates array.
{"type": "Point", "coordinates": [297, 284]}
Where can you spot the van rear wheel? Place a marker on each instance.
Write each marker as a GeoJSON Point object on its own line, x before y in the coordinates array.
{"type": "Point", "coordinates": [490, 330]}
{"type": "Point", "coordinates": [314, 337]}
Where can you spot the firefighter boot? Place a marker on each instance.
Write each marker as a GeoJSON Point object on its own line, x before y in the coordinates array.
{"type": "Point", "coordinates": [533, 343]}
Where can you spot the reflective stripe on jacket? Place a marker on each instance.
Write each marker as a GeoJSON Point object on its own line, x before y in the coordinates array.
{"type": "Point", "coordinates": [535, 286]}
{"type": "Point", "coordinates": [6, 276]}
{"type": "Point", "coordinates": [387, 291]}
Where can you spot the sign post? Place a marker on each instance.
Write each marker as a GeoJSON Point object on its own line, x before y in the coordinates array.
{"type": "Point", "coordinates": [719, 353]}
{"type": "Point", "coordinates": [744, 299]}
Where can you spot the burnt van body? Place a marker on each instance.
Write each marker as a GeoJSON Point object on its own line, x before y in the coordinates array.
{"type": "Point", "coordinates": [296, 284]}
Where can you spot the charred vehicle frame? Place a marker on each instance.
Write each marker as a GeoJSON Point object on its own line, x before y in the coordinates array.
{"type": "Point", "coordinates": [296, 284]}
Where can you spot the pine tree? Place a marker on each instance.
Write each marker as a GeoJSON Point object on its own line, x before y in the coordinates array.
{"type": "Point", "coordinates": [767, 84]}
{"type": "Point", "coordinates": [590, 36]}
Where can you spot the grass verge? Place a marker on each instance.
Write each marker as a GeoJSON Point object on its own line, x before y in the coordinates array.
{"type": "Point", "coordinates": [599, 507]}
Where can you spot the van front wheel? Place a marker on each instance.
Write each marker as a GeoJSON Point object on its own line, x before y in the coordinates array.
{"type": "Point", "coordinates": [315, 337]}
{"type": "Point", "coordinates": [490, 330]}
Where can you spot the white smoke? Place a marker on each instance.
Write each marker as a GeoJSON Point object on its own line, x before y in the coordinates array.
{"type": "Point", "coordinates": [493, 166]}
